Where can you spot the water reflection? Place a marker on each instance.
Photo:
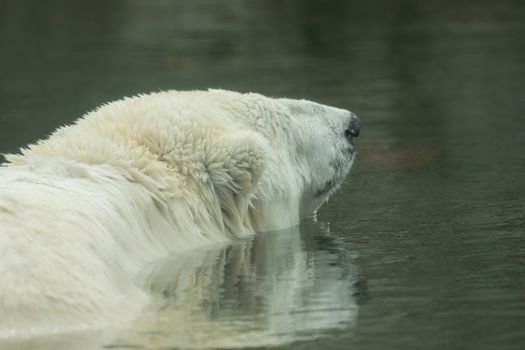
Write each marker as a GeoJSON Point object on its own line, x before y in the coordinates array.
{"type": "Point", "coordinates": [280, 287]}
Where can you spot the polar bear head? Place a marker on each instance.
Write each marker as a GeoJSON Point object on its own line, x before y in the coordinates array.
{"type": "Point", "coordinates": [308, 149]}
{"type": "Point", "coordinates": [213, 159]}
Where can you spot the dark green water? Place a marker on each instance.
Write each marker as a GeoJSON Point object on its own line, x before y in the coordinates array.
{"type": "Point", "coordinates": [424, 245]}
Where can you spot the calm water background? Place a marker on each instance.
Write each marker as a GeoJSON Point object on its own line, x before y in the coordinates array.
{"type": "Point", "coordinates": [424, 245]}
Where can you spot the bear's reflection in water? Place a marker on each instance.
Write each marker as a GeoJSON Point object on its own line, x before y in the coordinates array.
{"type": "Point", "coordinates": [276, 288]}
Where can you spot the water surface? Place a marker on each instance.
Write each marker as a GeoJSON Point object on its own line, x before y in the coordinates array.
{"type": "Point", "coordinates": [422, 248]}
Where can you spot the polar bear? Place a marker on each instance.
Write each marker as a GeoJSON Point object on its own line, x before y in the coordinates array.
{"type": "Point", "coordinates": [83, 211]}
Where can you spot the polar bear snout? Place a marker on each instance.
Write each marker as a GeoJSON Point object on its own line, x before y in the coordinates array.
{"type": "Point", "coordinates": [354, 127]}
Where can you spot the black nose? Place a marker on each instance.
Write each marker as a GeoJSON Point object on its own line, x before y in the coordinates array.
{"type": "Point", "coordinates": [354, 128]}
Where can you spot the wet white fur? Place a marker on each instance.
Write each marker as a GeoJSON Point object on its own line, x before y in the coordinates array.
{"type": "Point", "coordinates": [83, 211]}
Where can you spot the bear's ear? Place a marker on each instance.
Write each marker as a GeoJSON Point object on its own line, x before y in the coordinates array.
{"type": "Point", "coordinates": [237, 160]}
{"type": "Point", "coordinates": [225, 92]}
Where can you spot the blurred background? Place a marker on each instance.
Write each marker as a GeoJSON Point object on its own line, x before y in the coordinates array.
{"type": "Point", "coordinates": [434, 209]}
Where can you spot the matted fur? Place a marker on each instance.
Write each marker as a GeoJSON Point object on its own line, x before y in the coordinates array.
{"type": "Point", "coordinates": [82, 211]}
